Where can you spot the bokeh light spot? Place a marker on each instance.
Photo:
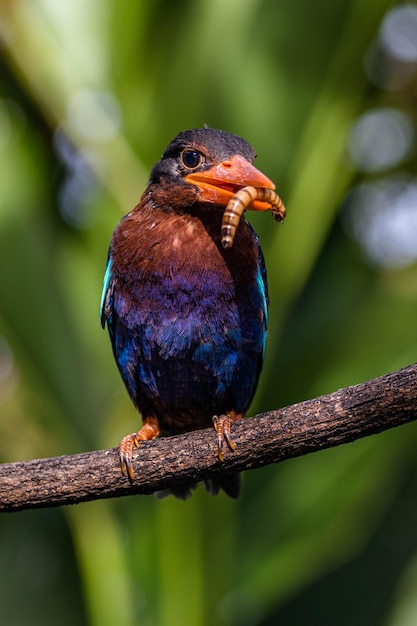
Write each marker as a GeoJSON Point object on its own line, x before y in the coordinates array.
{"type": "Point", "coordinates": [380, 139]}
{"type": "Point", "coordinates": [399, 33]}
{"type": "Point", "coordinates": [80, 186]}
{"type": "Point", "coordinates": [382, 217]}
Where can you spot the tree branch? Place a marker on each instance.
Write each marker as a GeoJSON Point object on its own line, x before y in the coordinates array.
{"type": "Point", "coordinates": [324, 422]}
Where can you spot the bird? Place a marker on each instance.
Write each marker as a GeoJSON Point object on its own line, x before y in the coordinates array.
{"type": "Point", "coordinates": [187, 318]}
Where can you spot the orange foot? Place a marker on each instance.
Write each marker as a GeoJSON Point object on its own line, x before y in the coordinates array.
{"type": "Point", "coordinates": [150, 430]}
{"type": "Point", "coordinates": [222, 427]}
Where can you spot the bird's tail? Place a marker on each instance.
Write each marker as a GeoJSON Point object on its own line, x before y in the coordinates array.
{"type": "Point", "coordinates": [230, 483]}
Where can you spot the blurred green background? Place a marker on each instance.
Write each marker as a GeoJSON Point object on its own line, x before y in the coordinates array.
{"type": "Point", "coordinates": [90, 95]}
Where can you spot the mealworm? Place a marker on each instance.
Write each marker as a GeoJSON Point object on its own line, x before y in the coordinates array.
{"type": "Point", "coordinates": [239, 203]}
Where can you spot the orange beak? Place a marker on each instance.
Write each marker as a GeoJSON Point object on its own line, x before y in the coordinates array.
{"type": "Point", "coordinates": [220, 183]}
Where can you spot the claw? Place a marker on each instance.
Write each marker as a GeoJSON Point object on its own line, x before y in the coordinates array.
{"type": "Point", "coordinates": [221, 425]}
{"type": "Point", "coordinates": [126, 447]}
{"type": "Point", "coordinates": [149, 430]}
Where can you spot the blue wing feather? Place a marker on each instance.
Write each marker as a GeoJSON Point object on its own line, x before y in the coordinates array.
{"type": "Point", "coordinates": [104, 308]}
{"type": "Point", "coordinates": [262, 285]}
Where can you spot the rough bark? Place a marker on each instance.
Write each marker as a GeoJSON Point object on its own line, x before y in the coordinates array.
{"type": "Point", "coordinates": [326, 421]}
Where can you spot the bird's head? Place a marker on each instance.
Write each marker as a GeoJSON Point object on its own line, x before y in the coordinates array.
{"type": "Point", "coordinates": [209, 166]}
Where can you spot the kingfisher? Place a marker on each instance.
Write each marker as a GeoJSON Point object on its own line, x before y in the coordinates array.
{"type": "Point", "coordinates": [187, 318]}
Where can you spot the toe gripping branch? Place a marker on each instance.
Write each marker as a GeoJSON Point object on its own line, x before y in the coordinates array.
{"type": "Point", "coordinates": [150, 430]}
{"type": "Point", "coordinates": [222, 425]}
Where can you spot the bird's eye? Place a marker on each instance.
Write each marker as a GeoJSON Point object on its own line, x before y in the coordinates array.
{"type": "Point", "coordinates": [191, 158]}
